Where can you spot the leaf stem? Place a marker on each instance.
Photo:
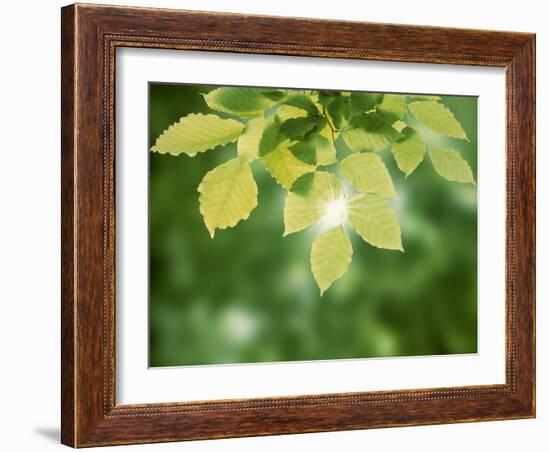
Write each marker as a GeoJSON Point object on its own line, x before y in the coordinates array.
{"type": "Point", "coordinates": [330, 125]}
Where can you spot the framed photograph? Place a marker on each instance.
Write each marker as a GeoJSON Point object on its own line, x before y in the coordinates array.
{"type": "Point", "coordinates": [281, 225]}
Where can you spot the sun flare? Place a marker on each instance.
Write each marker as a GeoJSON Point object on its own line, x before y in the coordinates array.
{"type": "Point", "coordinates": [335, 213]}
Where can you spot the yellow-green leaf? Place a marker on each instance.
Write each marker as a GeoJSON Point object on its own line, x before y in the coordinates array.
{"type": "Point", "coordinates": [289, 111]}
{"type": "Point", "coordinates": [399, 125]}
{"type": "Point", "coordinates": [309, 199]}
{"type": "Point", "coordinates": [369, 132]}
{"type": "Point", "coordinates": [228, 194]}
{"type": "Point", "coordinates": [197, 133]}
{"type": "Point", "coordinates": [375, 221]}
{"type": "Point", "coordinates": [249, 142]}
{"type": "Point", "coordinates": [331, 254]}
{"type": "Point", "coordinates": [393, 107]}
{"type": "Point", "coordinates": [244, 102]}
{"type": "Point", "coordinates": [284, 167]}
{"type": "Point", "coordinates": [449, 164]}
{"type": "Point", "coordinates": [438, 118]}
{"type": "Point", "coordinates": [408, 151]}
{"type": "Point", "coordinates": [368, 174]}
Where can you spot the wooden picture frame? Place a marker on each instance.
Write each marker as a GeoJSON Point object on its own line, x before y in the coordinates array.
{"type": "Point", "coordinates": [90, 36]}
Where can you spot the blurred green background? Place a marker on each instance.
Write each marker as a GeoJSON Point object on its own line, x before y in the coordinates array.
{"type": "Point", "coordinates": [249, 295]}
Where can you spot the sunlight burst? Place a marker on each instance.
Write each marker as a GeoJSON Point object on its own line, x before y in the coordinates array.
{"type": "Point", "coordinates": [335, 213]}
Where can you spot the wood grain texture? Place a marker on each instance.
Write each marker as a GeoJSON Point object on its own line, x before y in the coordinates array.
{"type": "Point", "coordinates": [67, 224]}
{"type": "Point", "coordinates": [90, 36]}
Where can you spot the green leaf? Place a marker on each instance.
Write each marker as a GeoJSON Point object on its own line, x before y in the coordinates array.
{"type": "Point", "coordinates": [315, 150]}
{"type": "Point", "coordinates": [360, 103]}
{"type": "Point", "coordinates": [337, 108]}
{"type": "Point", "coordinates": [307, 201]}
{"type": "Point", "coordinates": [438, 118]}
{"type": "Point", "coordinates": [294, 128]}
{"type": "Point", "coordinates": [408, 151]}
{"type": "Point", "coordinates": [273, 94]}
{"type": "Point", "coordinates": [270, 138]}
{"type": "Point", "coordinates": [420, 97]}
{"type": "Point", "coordinates": [368, 174]}
{"type": "Point", "coordinates": [331, 254]}
{"type": "Point", "coordinates": [302, 101]}
{"type": "Point", "coordinates": [449, 164]}
{"type": "Point", "coordinates": [244, 102]}
{"type": "Point", "coordinates": [304, 151]}
{"type": "Point", "coordinates": [369, 132]}
{"type": "Point", "coordinates": [326, 97]}
{"type": "Point", "coordinates": [248, 146]}
{"type": "Point", "coordinates": [228, 194]}
{"type": "Point", "coordinates": [393, 107]}
{"type": "Point", "coordinates": [284, 167]}
{"type": "Point", "coordinates": [319, 128]}
{"type": "Point", "coordinates": [375, 221]}
{"type": "Point", "coordinates": [197, 133]}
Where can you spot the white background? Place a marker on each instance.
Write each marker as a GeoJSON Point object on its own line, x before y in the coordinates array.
{"type": "Point", "coordinates": [138, 384]}
{"type": "Point", "coordinates": [29, 247]}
